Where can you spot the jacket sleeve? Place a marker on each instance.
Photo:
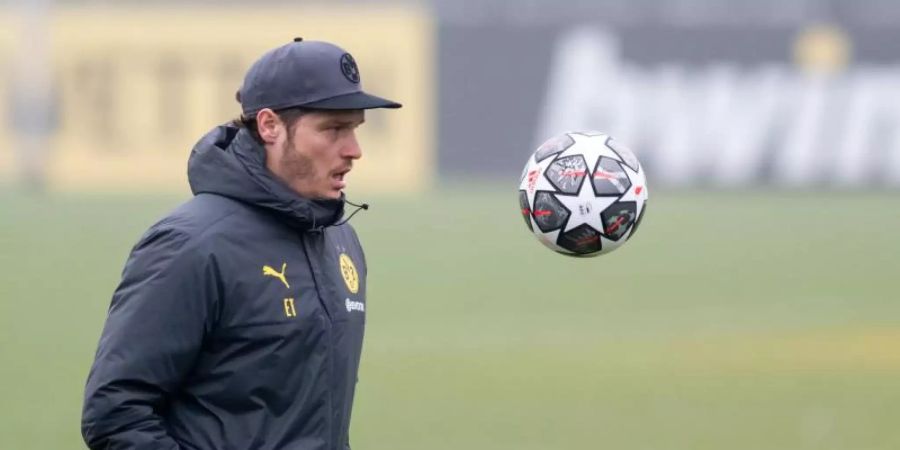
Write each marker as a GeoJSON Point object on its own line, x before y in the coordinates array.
{"type": "Point", "coordinates": [157, 320]}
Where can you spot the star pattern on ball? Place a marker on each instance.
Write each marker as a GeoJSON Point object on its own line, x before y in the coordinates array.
{"type": "Point", "coordinates": [591, 151]}
{"type": "Point", "coordinates": [585, 207]}
{"type": "Point", "coordinates": [551, 238]}
{"type": "Point", "coordinates": [612, 193]}
{"type": "Point", "coordinates": [535, 179]}
{"type": "Point", "coordinates": [637, 193]}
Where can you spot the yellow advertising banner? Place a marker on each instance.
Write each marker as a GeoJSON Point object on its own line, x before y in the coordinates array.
{"type": "Point", "coordinates": [137, 88]}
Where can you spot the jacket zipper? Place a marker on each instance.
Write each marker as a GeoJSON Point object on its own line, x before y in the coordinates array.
{"type": "Point", "coordinates": [319, 279]}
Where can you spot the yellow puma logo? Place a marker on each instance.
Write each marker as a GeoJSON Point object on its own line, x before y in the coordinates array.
{"type": "Point", "coordinates": [270, 272]}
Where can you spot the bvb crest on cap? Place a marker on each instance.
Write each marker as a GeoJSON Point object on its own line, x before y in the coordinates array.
{"type": "Point", "coordinates": [305, 74]}
{"type": "Point", "coordinates": [349, 68]}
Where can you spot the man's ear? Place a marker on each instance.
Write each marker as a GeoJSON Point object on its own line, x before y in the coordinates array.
{"type": "Point", "coordinates": [269, 126]}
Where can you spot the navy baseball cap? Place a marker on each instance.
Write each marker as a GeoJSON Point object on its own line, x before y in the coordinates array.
{"type": "Point", "coordinates": [309, 74]}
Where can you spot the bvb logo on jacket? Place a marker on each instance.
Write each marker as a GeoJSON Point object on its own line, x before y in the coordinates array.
{"type": "Point", "coordinates": [348, 271]}
{"type": "Point", "coordinates": [351, 279]}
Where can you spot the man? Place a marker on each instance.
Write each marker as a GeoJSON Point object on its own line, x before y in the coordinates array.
{"type": "Point", "coordinates": [238, 322]}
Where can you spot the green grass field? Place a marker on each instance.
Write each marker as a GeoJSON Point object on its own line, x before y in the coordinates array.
{"type": "Point", "coordinates": [739, 321]}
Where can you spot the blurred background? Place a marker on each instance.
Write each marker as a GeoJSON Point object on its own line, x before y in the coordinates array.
{"type": "Point", "coordinates": [756, 309]}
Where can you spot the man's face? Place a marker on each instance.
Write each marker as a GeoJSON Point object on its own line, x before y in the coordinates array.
{"type": "Point", "coordinates": [316, 153]}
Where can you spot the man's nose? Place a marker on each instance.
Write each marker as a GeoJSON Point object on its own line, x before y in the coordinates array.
{"type": "Point", "coordinates": [352, 150]}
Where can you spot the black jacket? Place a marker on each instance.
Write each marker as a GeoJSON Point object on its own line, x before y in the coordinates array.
{"type": "Point", "coordinates": [238, 323]}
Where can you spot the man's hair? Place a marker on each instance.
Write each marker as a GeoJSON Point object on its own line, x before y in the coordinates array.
{"type": "Point", "coordinates": [289, 116]}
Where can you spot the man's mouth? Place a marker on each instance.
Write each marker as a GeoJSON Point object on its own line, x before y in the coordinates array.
{"type": "Point", "coordinates": [337, 179]}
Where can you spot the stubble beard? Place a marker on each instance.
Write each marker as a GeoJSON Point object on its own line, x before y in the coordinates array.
{"type": "Point", "coordinates": [298, 168]}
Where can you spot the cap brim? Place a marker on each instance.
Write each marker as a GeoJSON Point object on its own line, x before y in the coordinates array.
{"type": "Point", "coordinates": [356, 100]}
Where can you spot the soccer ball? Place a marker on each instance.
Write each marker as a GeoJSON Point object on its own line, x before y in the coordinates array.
{"type": "Point", "coordinates": [583, 193]}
